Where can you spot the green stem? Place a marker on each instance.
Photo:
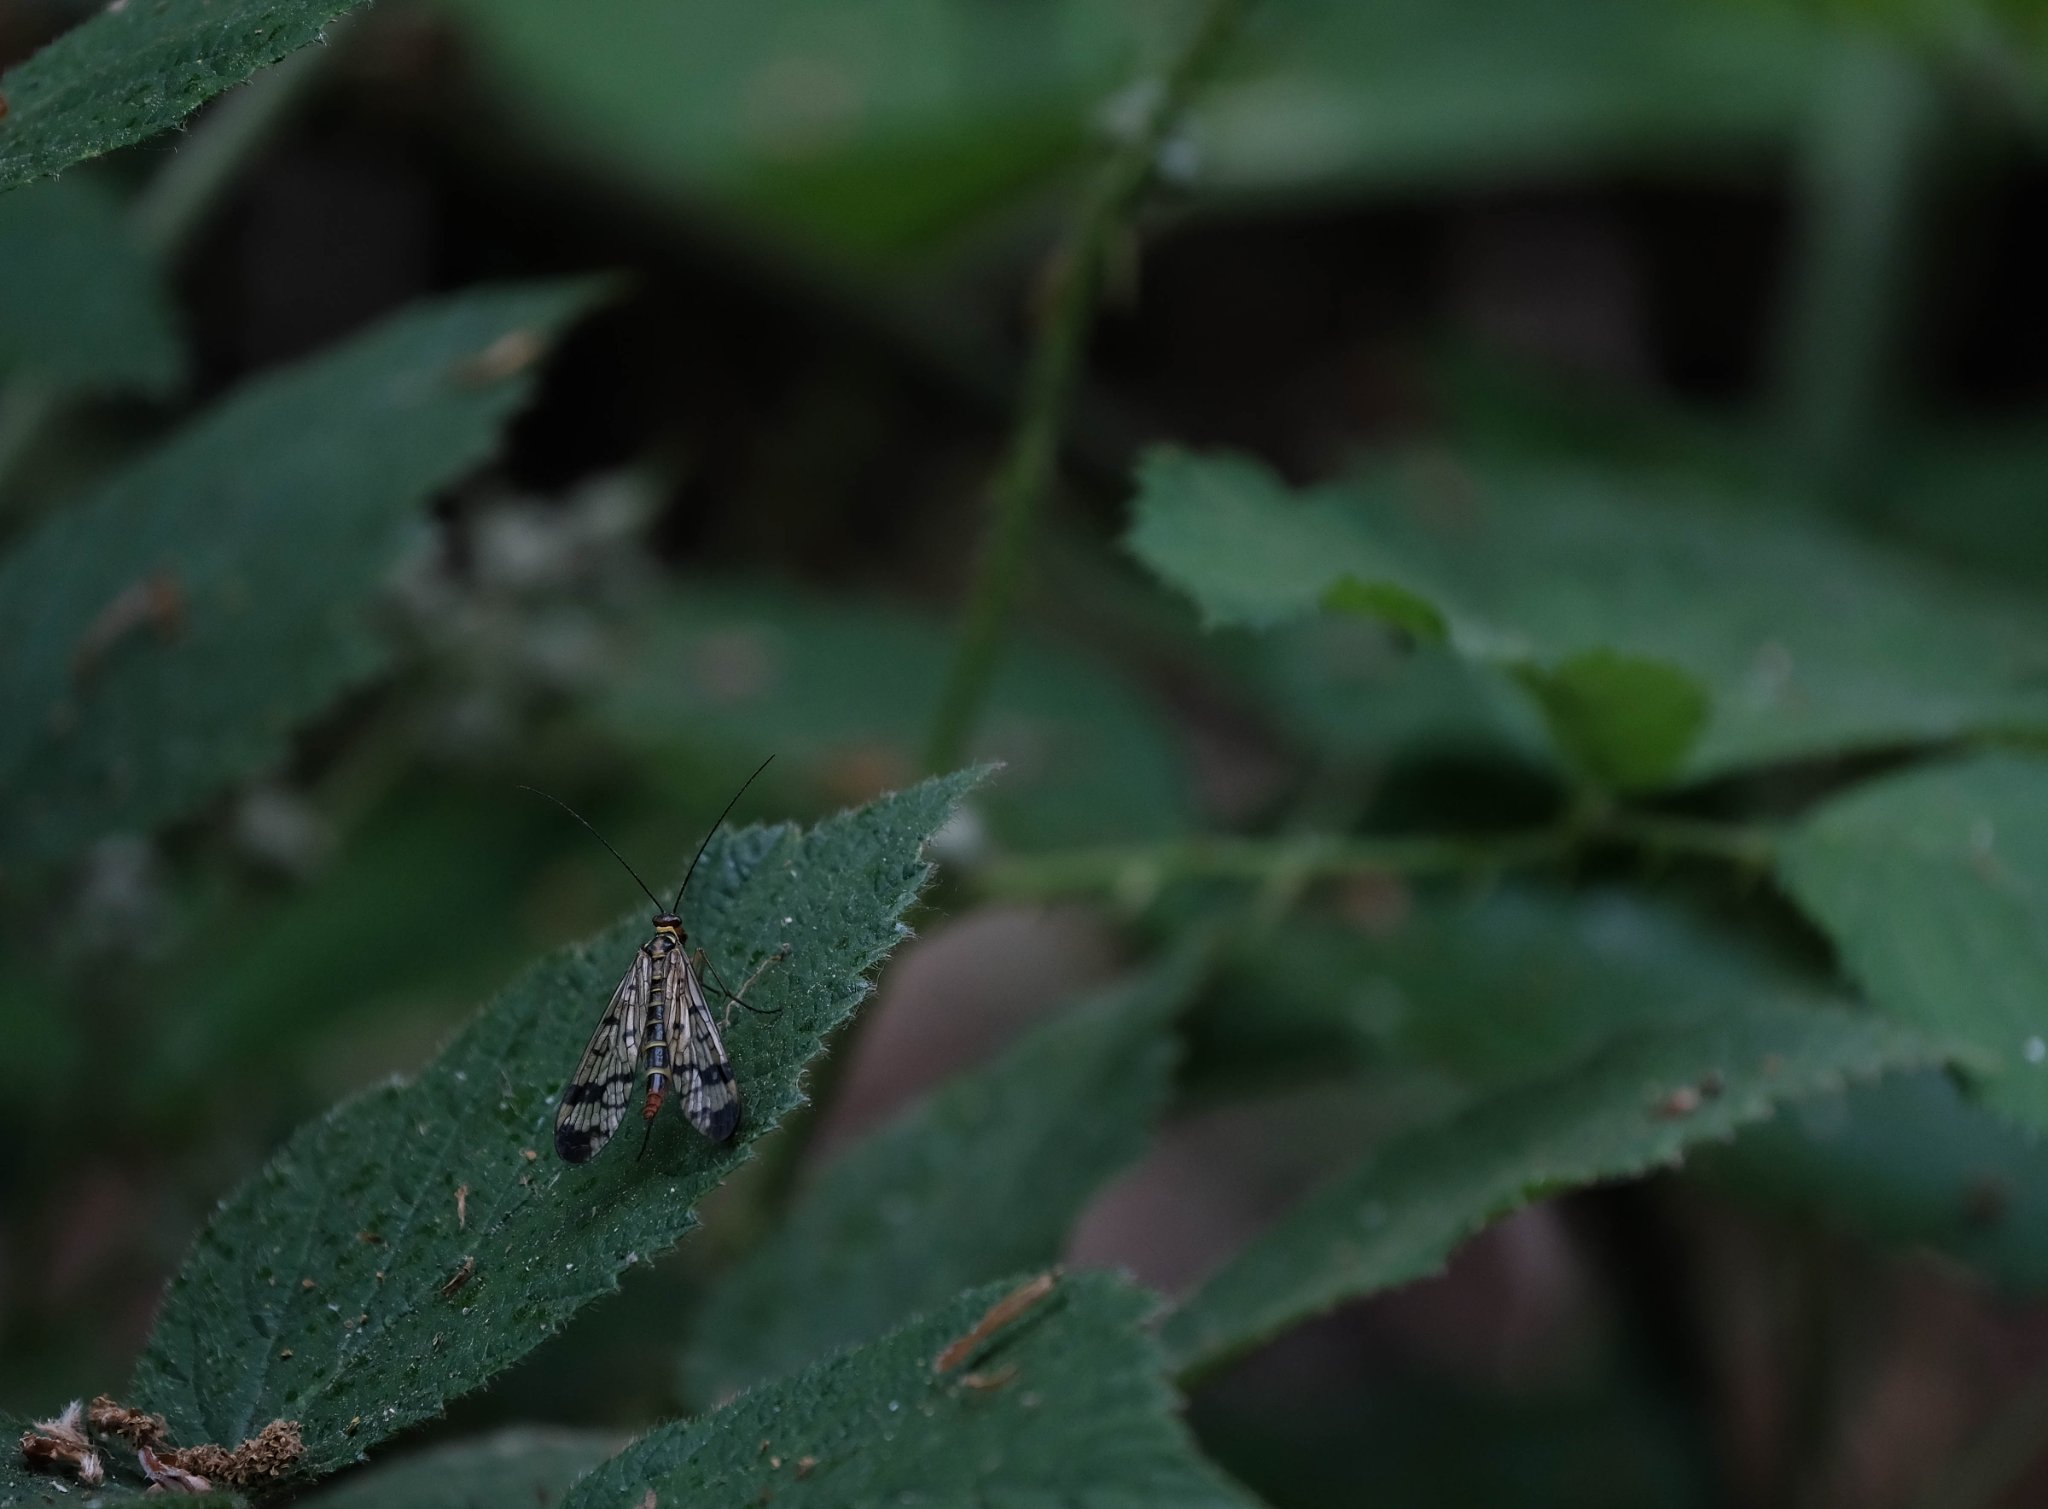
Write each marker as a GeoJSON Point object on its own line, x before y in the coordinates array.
{"type": "Point", "coordinates": [1863, 173]}
{"type": "Point", "coordinates": [1026, 473]}
{"type": "Point", "coordinates": [1136, 872]}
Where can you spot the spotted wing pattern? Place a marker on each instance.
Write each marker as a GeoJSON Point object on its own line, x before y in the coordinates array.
{"type": "Point", "coordinates": [596, 1100]}
{"type": "Point", "coordinates": [704, 1079]}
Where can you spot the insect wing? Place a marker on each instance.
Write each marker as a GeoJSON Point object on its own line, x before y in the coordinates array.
{"type": "Point", "coordinates": [710, 1096]}
{"type": "Point", "coordinates": [595, 1102]}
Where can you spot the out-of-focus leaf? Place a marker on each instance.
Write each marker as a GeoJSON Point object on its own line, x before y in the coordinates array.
{"type": "Point", "coordinates": [1085, 1418]}
{"type": "Point", "coordinates": [984, 1178]}
{"type": "Point", "coordinates": [1636, 1104]}
{"type": "Point", "coordinates": [169, 632]}
{"type": "Point", "coordinates": [133, 70]}
{"type": "Point", "coordinates": [864, 126]}
{"type": "Point", "coordinates": [82, 305]}
{"type": "Point", "coordinates": [1670, 635]}
{"type": "Point", "coordinates": [844, 693]}
{"type": "Point", "coordinates": [1335, 95]}
{"type": "Point", "coordinates": [1907, 1160]}
{"type": "Point", "coordinates": [1410, 1439]}
{"type": "Point", "coordinates": [326, 1290]}
{"type": "Point", "coordinates": [524, 1467]}
{"type": "Point", "coordinates": [1975, 494]}
{"type": "Point", "coordinates": [1934, 886]}
{"type": "Point", "coordinates": [388, 926]}
{"type": "Point", "coordinates": [1511, 986]}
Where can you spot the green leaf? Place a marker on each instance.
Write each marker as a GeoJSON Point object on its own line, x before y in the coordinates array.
{"type": "Point", "coordinates": [868, 127]}
{"type": "Point", "coordinates": [317, 1292]}
{"type": "Point", "coordinates": [1934, 886]}
{"type": "Point", "coordinates": [1667, 633]}
{"type": "Point", "coordinates": [1625, 720]}
{"type": "Point", "coordinates": [1908, 1160]}
{"type": "Point", "coordinates": [169, 632]}
{"type": "Point", "coordinates": [1085, 1418]}
{"type": "Point", "coordinates": [131, 71]}
{"type": "Point", "coordinates": [984, 1178]}
{"type": "Point", "coordinates": [82, 305]}
{"type": "Point", "coordinates": [1335, 96]}
{"type": "Point", "coordinates": [1637, 1103]}
{"type": "Point", "coordinates": [844, 692]}
{"type": "Point", "coordinates": [1513, 985]}
{"type": "Point", "coordinates": [525, 1465]}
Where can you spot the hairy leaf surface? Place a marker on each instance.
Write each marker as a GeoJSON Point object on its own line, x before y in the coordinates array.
{"type": "Point", "coordinates": [130, 71]}
{"type": "Point", "coordinates": [1082, 1415]}
{"type": "Point", "coordinates": [984, 1178]}
{"type": "Point", "coordinates": [325, 1290]}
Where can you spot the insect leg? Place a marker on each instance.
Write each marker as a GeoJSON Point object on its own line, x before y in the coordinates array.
{"type": "Point", "coordinates": [738, 997]}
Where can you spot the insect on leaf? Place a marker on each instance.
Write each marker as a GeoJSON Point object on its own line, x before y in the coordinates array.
{"type": "Point", "coordinates": [283, 1310]}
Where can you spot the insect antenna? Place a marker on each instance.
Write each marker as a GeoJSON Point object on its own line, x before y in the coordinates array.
{"type": "Point", "coordinates": [714, 831]}
{"type": "Point", "coordinates": [603, 840]}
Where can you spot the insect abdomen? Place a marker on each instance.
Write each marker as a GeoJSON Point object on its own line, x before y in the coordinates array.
{"type": "Point", "coordinates": [655, 1032]}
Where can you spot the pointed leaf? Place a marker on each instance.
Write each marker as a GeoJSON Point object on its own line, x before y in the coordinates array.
{"type": "Point", "coordinates": [1515, 984]}
{"type": "Point", "coordinates": [324, 1291]}
{"type": "Point", "coordinates": [167, 633]}
{"type": "Point", "coordinates": [1934, 886]}
{"type": "Point", "coordinates": [1638, 1103]}
{"type": "Point", "coordinates": [130, 71]}
{"type": "Point", "coordinates": [1084, 1418]}
{"type": "Point", "coordinates": [1088, 755]}
{"type": "Point", "coordinates": [984, 1178]}
{"type": "Point", "coordinates": [1666, 632]}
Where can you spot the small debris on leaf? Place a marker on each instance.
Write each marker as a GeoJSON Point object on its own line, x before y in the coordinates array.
{"type": "Point", "coordinates": [169, 1478]}
{"type": "Point", "coordinates": [507, 356]}
{"type": "Point", "coordinates": [137, 1427]}
{"type": "Point", "coordinates": [458, 1278]}
{"type": "Point", "coordinates": [60, 1444]}
{"type": "Point", "coordinates": [999, 1315]}
{"type": "Point", "coordinates": [157, 601]}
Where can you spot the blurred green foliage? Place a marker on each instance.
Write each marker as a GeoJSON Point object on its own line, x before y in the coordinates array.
{"type": "Point", "coordinates": [1567, 705]}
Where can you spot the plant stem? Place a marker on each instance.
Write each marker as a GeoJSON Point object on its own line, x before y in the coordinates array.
{"type": "Point", "coordinates": [1136, 872]}
{"type": "Point", "coordinates": [1864, 174]}
{"type": "Point", "coordinates": [1026, 473]}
